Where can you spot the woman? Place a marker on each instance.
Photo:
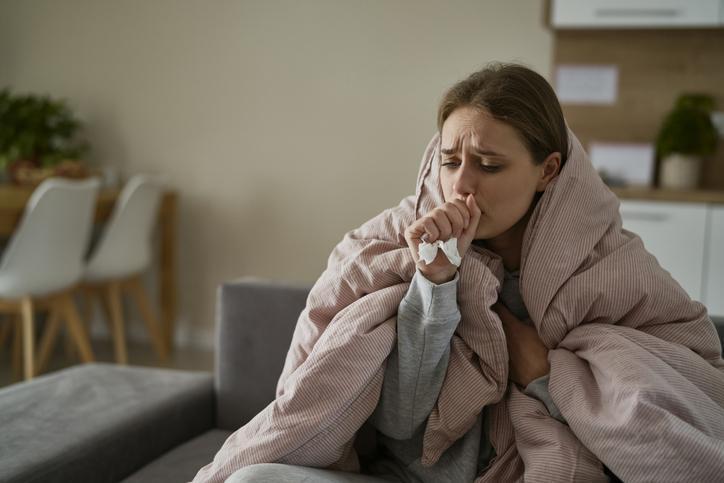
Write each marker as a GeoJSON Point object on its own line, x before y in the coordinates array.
{"type": "Point", "coordinates": [492, 173]}
{"type": "Point", "coordinates": [607, 355]}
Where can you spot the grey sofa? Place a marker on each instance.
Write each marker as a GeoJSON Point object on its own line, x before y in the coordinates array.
{"type": "Point", "coordinates": [105, 423]}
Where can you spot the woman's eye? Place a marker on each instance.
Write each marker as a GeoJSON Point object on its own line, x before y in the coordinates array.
{"type": "Point", "coordinates": [490, 168]}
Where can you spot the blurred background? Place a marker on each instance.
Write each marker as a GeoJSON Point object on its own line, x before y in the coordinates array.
{"type": "Point", "coordinates": [280, 125]}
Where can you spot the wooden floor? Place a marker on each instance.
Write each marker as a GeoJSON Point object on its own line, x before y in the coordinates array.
{"type": "Point", "coordinates": [138, 355]}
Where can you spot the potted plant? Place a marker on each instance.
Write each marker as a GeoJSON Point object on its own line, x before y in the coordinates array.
{"type": "Point", "coordinates": [687, 135]}
{"type": "Point", "coordinates": [38, 138]}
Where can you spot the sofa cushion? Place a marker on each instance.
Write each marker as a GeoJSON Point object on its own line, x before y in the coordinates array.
{"type": "Point", "coordinates": [99, 422]}
{"type": "Point", "coordinates": [184, 461]}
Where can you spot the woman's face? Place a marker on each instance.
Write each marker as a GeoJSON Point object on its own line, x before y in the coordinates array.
{"type": "Point", "coordinates": [486, 157]}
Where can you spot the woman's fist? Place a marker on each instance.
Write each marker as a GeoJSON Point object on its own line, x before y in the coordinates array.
{"type": "Point", "coordinates": [458, 219]}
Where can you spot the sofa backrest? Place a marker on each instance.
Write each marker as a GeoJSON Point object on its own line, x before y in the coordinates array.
{"type": "Point", "coordinates": [255, 323]}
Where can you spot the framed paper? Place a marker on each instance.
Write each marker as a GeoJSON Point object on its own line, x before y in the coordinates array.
{"type": "Point", "coordinates": [624, 164]}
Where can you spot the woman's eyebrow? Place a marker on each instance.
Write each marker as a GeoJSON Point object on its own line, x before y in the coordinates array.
{"type": "Point", "coordinates": [478, 151]}
{"type": "Point", "coordinates": [488, 152]}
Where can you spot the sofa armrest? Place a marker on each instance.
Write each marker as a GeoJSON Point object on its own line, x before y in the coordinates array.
{"type": "Point", "coordinates": [255, 324]}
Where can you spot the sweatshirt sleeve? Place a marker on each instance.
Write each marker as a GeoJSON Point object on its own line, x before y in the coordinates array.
{"type": "Point", "coordinates": [426, 321]}
{"type": "Point", "coordinates": [538, 389]}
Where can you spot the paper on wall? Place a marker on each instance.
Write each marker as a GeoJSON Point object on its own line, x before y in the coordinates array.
{"type": "Point", "coordinates": [587, 84]}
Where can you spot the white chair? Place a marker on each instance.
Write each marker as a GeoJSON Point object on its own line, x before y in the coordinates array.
{"type": "Point", "coordinates": [123, 253]}
{"type": "Point", "coordinates": [44, 261]}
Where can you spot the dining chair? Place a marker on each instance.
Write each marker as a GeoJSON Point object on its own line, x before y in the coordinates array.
{"type": "Point", "coordinates": [122, 255]}
{"type": "Point", "coordinates": [43, 262]}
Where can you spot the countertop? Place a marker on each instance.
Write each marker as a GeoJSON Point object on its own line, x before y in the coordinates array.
{"type": "Point", "coordinates": [655, 194]}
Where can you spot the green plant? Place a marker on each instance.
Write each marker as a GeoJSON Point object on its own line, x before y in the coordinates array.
{"type": "Point", "coordinates": [688, 129]}
{"type": "Point", "coordinates": [37, 129]}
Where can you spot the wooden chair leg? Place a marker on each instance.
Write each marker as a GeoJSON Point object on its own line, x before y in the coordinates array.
{"type": "Point", "coordinates": [17, 348]}
{"type": "Point", "coordinates": [66, 304]}
{"type": "Point", "coordinates": [47, 342]}
{"type": "Point", "coordinates": [69, 346]}
{"type": "Point", "coordinates": [26, 309]}
{"type": "Point", "coordinates": [88, 297]}
{"type": "Point", "coordinates": [87, 303]}
{"type": "Point", "coordinates": [138, 292]}
{"type": "Point", "coordinates": [115, 312]}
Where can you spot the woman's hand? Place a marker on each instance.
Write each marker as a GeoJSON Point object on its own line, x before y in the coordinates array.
{"type": "Point", "coordinates": [457, 219]}
{"type": "Point", "coordinates": [528, 355]}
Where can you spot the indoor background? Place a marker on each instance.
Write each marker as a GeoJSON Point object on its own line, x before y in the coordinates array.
{"type": "Point", "coordinates": [281, 124]}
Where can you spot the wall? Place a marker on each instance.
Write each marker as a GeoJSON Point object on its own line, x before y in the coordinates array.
{"type": "Point", "coordinates": [282, 124]}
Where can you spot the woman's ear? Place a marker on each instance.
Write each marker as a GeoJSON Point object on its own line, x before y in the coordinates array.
{"type": "Point", "coordinates": [551, 166]}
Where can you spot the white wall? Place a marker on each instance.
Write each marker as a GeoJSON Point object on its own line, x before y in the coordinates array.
{"type": "Point", "coordinates": [282, 124]}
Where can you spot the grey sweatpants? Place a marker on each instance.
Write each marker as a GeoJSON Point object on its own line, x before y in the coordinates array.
{"type": "Point", "coordinates": [278, 473]}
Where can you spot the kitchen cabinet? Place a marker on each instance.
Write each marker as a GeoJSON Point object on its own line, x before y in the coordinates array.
{"type": "Point", "coordinates": [602, 14]}
{"type": "Point", "coordinates": [714, 265]}
{"type": "Point", "coordinates": [676, 234]}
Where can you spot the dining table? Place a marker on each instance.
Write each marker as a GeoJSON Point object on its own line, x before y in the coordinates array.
{"type": "Point", "coordinates": [13, 199]}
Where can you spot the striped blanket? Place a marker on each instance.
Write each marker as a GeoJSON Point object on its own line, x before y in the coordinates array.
{"type": "Point", "coordinates": [636, 366]}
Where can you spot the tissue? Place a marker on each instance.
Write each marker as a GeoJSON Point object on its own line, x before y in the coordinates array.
{"type": "Point", "coordinates": [428, 251]}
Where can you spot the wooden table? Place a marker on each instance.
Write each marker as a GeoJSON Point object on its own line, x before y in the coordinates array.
{"type": "Point", "coordinates": [12, 204]}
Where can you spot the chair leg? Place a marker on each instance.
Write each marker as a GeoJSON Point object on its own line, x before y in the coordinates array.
{"type": "Point", "coordinates": [75, 326]}
{"type": "Point", "coordinates": [17, 348]}
{"type": "Point", "coordinates": [47, 342]}
{"type": "Point", "coordinates": [115, 311]}
{"type": "Point", "coordinates": [86, 295]}
{"type": "Point", "coordinates": [88, 303]}
{"type": "Point", "coordinates": [69, 346]}
{"type": "Point", "coordinates": [138, 292]}
{"type": "Point", "coordinates": [26, 309]}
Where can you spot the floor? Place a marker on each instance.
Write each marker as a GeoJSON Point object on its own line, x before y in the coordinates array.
{"type": "Point", "coordinates": [138, 355]}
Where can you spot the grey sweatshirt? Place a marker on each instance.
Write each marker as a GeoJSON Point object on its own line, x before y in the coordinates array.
{"type": "Point", "coordinates": [426, 321]}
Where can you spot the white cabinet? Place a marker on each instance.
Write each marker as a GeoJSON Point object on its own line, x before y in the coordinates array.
{"type": "Point", "coordinates": [676, 234]}
{"type": "Point", "coordinates": [636, 13]}
{"type": "Point", "coordinates": [714, 266]}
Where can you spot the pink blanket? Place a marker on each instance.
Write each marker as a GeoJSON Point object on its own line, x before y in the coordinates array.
{"type": "Point", "coordinates": [636, 366]}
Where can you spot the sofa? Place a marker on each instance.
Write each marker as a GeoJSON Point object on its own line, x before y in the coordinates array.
{"type": "Point", "coordinates": [108, 423]}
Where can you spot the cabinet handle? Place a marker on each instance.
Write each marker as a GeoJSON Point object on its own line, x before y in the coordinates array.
{"type": "Point", "coordinates": [636, 12]}
{"type": "Point", "coordinates": [641, 216]}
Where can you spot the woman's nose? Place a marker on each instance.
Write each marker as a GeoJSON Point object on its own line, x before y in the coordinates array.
{"type": "Point", "coordinates": [464, 183]}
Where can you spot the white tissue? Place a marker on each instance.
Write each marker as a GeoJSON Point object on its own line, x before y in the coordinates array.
{"type": "Point", "coordinates": [428, 251]}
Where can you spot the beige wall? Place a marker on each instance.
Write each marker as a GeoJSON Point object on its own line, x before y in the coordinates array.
{"type": "Point", "coordinates": [282, 124]}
